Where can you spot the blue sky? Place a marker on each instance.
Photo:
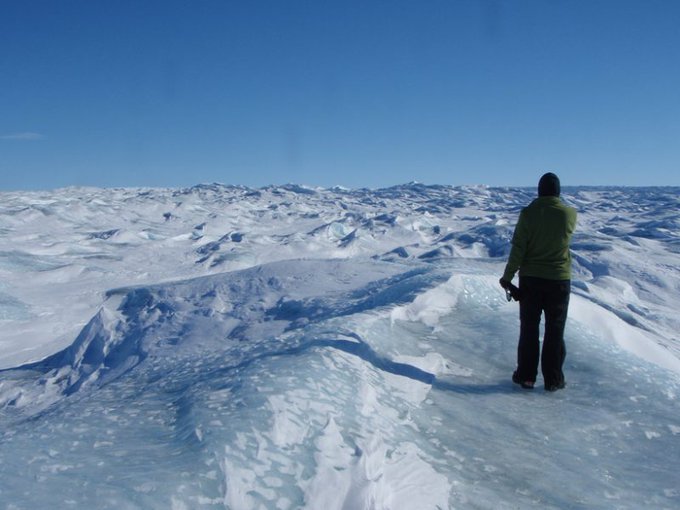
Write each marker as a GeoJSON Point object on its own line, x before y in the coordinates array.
{"type": "Point", "coordinates": [360, 94]}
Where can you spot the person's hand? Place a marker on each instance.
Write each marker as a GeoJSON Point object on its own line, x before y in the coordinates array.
{"type": "Point", "coordinates": [511, 292]}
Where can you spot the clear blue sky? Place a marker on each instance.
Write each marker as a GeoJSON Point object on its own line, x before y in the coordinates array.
{"type": "Point", "coordinates": [371, 93]}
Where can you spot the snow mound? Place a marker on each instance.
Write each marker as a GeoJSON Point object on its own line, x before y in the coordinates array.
{"type": "Point", "coordinates": [242, 315]}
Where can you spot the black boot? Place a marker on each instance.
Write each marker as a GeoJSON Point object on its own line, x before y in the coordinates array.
{"type": "Point", "coordinates": [527, 385]}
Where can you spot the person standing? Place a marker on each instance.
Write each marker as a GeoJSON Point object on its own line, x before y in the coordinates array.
{"type": "Point", "coordinates": [540, 252]}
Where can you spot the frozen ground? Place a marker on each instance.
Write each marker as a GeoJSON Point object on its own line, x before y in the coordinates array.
{"type": "Point", "coordinates": [287, 347]}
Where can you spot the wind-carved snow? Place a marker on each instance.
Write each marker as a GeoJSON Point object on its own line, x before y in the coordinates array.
{"type": "Point", "coordinates": [298, 348]}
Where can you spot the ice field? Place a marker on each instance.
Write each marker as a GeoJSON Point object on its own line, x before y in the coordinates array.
{"type": "Point", "coordinates": [288, 347]}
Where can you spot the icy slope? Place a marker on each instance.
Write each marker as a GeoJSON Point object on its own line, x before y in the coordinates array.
{"type": "Point", "coordinates": [332, 384]}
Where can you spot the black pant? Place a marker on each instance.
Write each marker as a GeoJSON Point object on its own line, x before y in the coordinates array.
{"type": "Point", "coordinates": [552, 297]}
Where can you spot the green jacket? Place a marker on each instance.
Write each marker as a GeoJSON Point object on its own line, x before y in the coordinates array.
{"type": "Point", "coordinates": [540, 244]}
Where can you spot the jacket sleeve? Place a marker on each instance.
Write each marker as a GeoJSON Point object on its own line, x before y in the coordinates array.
{"type": "Point", "coordinates": [572, 221]}
{"type": "Point", "coordinates": [519, 246]}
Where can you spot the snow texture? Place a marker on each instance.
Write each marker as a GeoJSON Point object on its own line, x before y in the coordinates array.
{"type": "Point", "coordinates": [292, 347]}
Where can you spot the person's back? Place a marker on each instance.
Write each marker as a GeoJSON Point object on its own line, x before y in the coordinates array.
{"type": "Point", "coordinates": [547, 226]}
{"type": "Point", "coordinates": [540, 252]}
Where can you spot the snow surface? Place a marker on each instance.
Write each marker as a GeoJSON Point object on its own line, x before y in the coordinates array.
{"type": "Point", "coordinates": [289, 347]}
